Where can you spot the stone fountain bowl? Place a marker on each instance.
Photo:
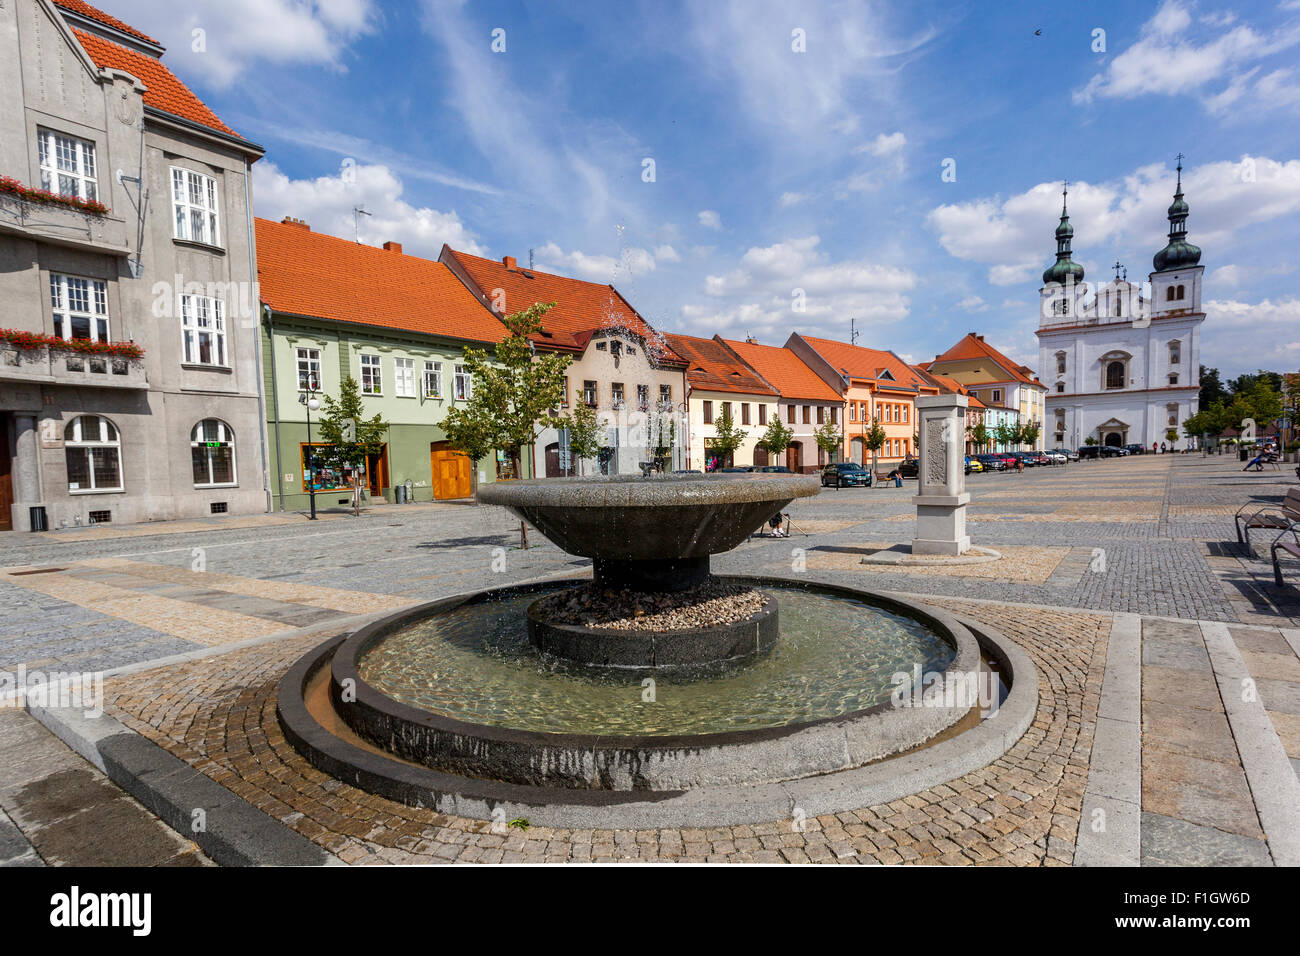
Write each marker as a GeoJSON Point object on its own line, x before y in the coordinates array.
{"type": "Point", "coordinates": [630, 518]}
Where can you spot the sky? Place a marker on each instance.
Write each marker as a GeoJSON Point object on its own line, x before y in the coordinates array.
{"type": "Point", "coordinates": [748, 167]}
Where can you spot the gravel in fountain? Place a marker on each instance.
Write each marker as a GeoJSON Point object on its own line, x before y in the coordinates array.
{"type": "Point", "coordinates": [707, 605]}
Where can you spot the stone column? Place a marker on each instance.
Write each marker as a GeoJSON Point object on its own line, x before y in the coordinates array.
{"type": "Point", "coordinates": [941, 493]}
{"type": "Point", "coordinates": [26, 474]}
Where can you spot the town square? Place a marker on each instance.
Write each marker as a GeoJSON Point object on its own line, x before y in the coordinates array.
{"type": "Point", "coordinates": [424, 440]}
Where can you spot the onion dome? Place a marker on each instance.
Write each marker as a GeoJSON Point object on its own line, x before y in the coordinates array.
{"type": "Point", "coordinates": [1179, 254]}
{"type": "Point", "coordinates": [1064, 271]}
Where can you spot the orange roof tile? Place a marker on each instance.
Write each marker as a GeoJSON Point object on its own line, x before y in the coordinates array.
{"type": "Point", "coordinates": [950, 385]}
{"type": "Point", "coordinates": [581, 308]}
{"type": "Point", "coordinates": [309, 273]}
{"type": "Point", "coordinates": [784, 370]}
{"type": "Point", "coordinates": [711, 367]}
{"type": "Point", "coordinates": [972, 346]}
{"type": "Point", "coordinates": [163, 91]}
{"type": "Point", "coordinates": [864, 363]}
{"type": "Point", "coordinates": [93, 13]}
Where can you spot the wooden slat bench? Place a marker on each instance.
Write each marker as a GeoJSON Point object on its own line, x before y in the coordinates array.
{"type": "Point", "coordinates": [1277, 517]}
{"type": "Point", "coordinates": [1291, 547]}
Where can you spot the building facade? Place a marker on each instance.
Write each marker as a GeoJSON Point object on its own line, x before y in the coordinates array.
{"type": "Point", "coordinates": [999, 382]}
{"type": "Point", "coordinates": [1124, 365]}
{"type": "Point", "coordinates": [133, 395]}
{"type": "Point", "coordinates": [804, 402]}
{"type": "Point", "coordinates": [621, 366]}
{"type": "Point", "coordinates": [720, 385]}
{"type": "Point", "coordinates": [398, 325]}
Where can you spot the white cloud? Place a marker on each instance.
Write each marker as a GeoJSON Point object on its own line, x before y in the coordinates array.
{"type": "Point", "coordinates": [326, 204]}
{"type": "Point", "coordinates": [883, 145]}
{"type": "Point", "coordinates": [1226, 275]}
{"type": "Point", "coordinates": [709, 219]}
{"type": "Point", "coordinates": [1167, 60]}
{"type": "Point", "coordinates": [973, 303]}
{"type": "Point", "coordinates": [666, 253]}
{"type": "Point", "coordinates": [1234, 329]}
{"type": "Point", "coordinates": [792, 199]}
{"type": "Point", "coordinates": [1014, 237]}
{"type": "Point", "coordinates": [633, 261]}
{"type": "Point", "coordinates": [237, 33]}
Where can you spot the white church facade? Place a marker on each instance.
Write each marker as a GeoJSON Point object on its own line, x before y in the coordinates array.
{"type": "Point", "coordinates": [1121, 366]}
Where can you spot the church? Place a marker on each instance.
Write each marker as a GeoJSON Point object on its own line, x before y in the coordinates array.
{"type": "Point", "coordinates": [1122, 365]}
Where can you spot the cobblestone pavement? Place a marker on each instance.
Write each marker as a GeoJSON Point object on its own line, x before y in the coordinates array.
{"type": "Point", "coordinates": [1083, 546]}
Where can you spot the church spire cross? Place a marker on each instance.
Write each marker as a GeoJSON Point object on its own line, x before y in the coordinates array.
{"type": "Point", "coordinates": [1118, 266]}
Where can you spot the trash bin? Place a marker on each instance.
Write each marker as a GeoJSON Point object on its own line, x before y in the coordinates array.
{"type": "Point", "coordinates": [1242, 453]}
{"type": "Point", "coordinates": [38, 521]}
{"type": "Point", "coordinates": [399, 494]}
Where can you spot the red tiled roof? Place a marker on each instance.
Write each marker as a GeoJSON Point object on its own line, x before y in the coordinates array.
{"type": "Point", "coordinates": [785, 371]}
{"type": "Point", "coordinates": [951, 385]}
{"type": "Point", "coordinates": [865, 363]}
{"type": "Point", "coordinates": [309, 273]}
{"type": "Point", "coordinates": [163, 90]}
{"type": "Point", "coordinates": [93, 13]}
{"type": "Point", "coordinates": [581, 308]}
{"type": "Point", "coordinates": [971, 346]}
{"type": "Point", "coordinates": [711, 367]}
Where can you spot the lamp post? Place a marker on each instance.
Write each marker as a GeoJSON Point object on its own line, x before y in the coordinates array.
{"type": "Point", "coordinates": [311, 404]}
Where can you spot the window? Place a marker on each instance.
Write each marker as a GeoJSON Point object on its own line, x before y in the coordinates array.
{"type": "Point", "coordinates": [463, 384]}
{"type": "Point", "coordinates": [1181, 293]}
{"type": "Point", "coordinates": [203, 325]}
{"type": "Point", "coordinates": [642, 397]}
{"type": "Point", "coordinates": [807, 415]}
{"type": "Point", "coordinates": [762, 414]}
{"type": "Point", "coordinates": [1175, 353]}
{"type": "Point", "coordinates": [194, 204]}
{"type": "Point", "coordinates": [93, 450]}
{"type": "Point", "coordinates": [589, 393]}
{"type": "Point", "coordinates": [372, 375]}
{"type": "Point", "coordinates": [1169, 294]}
{"type": "Point", "coordinates": [906, 412]}
{"type": "Point", "coordinates": [1060, 387]}
{"type": "Point", "coordinates": [853, 411]}
{"type": "Point", "coordinates": [67, 165]}
{"type": "Point", "coordinates": [80, 308]}
{"type": "Point", "coordinates": [404, 377]}
{"type": "Point", "coordinates": [744, 413]}
{"type": "Point", "coordinates": [1172, 412]}
{"type": "Point", "coordinates": [726, 411]}
{"type": "Point", "coordinates": [997, 396]}
{"type": "Point", "coordinates": [616, 394]}
{"type": "Point", "coordinates": [665, 394]}
{"type": "Point", "coordinates": [1060, 363]}
{"type": "Point", "coordinates": [564, 396]}
{"type": "Point", "coordinates": [433, 380]}
{"type": "Point", "coordinates": [821, 414]}
{"type": "Point", "coordinates": [1173, 378]}
{"type": "Point", "coordinates": [212, 451]}
{"type": "Point", "coordinates": [308, 370]}
{"type": "Point", "coordinates": [708, 413]}
{"type": "Point", "coordinates": [600, 347]}
{"type": "Point", "coordinates": [1115, 374]}
{"type": "Point", "coordinates": [790, 414]}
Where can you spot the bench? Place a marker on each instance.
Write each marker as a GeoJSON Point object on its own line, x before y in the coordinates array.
{"type": "Point", "coordinates": [1269, 516]}
{"type": "Point", "coordinates": [1291, 547]}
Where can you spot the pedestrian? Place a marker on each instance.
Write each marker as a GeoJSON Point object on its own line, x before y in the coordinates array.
{"type": "Point", "coordinates": [896, 477]}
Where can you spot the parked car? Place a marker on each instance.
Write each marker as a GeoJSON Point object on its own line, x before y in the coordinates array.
{"type": "Point", "coordinates": [736, 469]}
{"type": "Point", "coordinates": [1135, 449]}
{"type": "Point", "coordinates": [688, 471]}
{"type": "Point", "coordinates": [773, 469]}
{"type": "Point", "coordinates": [973, 464]}
{"type": "Point", "coordinates": [1069, 455]}
{"type": "Point", "coordinates": [1057, 457]}
{"type": "Point", "coordinates": [1111, 451]}
{"type": "Point", "coordinates": [1041, 457]}
{"type": "Point", "coordinates": [909, 467]}
{"type": "Point", "coordinates": [845, 474]}
{"type": "Point", "coordinates": [991, 462]}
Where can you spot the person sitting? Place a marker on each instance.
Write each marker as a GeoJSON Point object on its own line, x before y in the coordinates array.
{"type": "Point", "coordinates": [1256, 463]}
{"type": "Point", "coordinates": [775, 523]}
{"type": "Point", "coordinates": [896, 477]}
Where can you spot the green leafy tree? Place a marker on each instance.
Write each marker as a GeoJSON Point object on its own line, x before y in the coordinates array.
{"type": "Point", "coordinates": [726, 436]}
{"type": "Point", "coordinates": [347, 436]}
{"type": "Point", "coordinates": [979, 434]}
{"type": "Point", "coordinates": [512, 393]}
{"type": "Point", "coordinates": [1029, 433]}
{"type": "Point", "coordinates": [585, 430]}
{"type": "Point", "coordinates": [1090, 440]}
{"type": "Point", "coordinates": [1212, 389]}
{"type": "Point", "coordinates": [829, 439]}
{"type": "Point", "coordinates": [1005, 434]}
{"type": "Point", "coordinates": [1171, 435]}
{"type": "Point", "coordinates": [777, 438]}
{"type": "Point", "coordinates": [874, 439]}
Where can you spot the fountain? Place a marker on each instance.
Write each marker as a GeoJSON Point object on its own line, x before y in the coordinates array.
{"type": "Point", "coordinates": [654, 692]}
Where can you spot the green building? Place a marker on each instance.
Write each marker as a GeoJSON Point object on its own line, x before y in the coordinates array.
{"type": "Point", "coordinates": [397, 324]}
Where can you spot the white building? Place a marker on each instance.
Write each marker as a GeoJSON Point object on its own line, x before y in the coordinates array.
{"type": "Point", "coordinates": [1122, 366]}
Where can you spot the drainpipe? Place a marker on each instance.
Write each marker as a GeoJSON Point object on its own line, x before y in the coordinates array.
{"type": "Point", "coordinates": [275, 390]}
{"type": "Point", "coordinates": [257, 340]}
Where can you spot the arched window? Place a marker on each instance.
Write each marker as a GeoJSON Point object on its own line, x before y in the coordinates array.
{"type": "Point", "coordinates": [1181, 293]}
{"type": "Point", "coordinates": [1169, 294]}
{"type": "Point", "coordinates": [212, 451]}
{"type": "Point", "coordinates": [93, 450]}
{"type": "Point", "coordinates": [1115, 374]}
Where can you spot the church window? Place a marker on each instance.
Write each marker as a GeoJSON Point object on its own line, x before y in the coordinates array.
{"type": "Point", "coordinates": [1173, 378]}
{"type": "Point", "coordinates": [1169, 294]}
{"type": "Point", "coordinates": [1060, 387]}
{"type": "Point", "coordinates": [1175, 353]}
{"type": "Point", "coordinates": [1115, 374]}
{"type": "Point", "coordinates": [1060, 363]}
{"type": "Point", "coordinates": [1181, 293]}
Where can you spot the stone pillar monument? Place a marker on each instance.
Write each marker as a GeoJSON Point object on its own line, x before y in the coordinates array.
{"type": "Point", "coordinates": [941, 496]}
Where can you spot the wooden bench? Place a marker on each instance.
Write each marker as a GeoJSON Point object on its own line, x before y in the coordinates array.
{"type": "Point", "coordinates": [1291, 547]}
{"type": "Point", "coordinates": [1269, 516]}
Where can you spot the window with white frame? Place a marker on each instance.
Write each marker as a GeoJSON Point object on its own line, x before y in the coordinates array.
{"type": "Point", "coordinates": [212, 453]}
{"type": "Point", "coordinates": [67, 165]}
{"type": "Point", "coordinates": [93, 452]}
{"type": "Point", "coordinates": [372, 376]}
{"type": "Point", "coordinates": [404, 377]}
{"type": "Point", "coordinates": [308, 370]}
{"type": "Point", "coordinates": [194, 205]}
{"type": "Point", "coordinates": [1175, 352]}
{"type": "Point", "coordinates": [203, 328]}
{"type": "Point", "coordinates": [464, 388]}
{"type": "Point", "coordinates": [433, 380]}
{"type": "Point", "coordinates": [80, 308]}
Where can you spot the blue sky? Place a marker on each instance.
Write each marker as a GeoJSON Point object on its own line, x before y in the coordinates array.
{"type": "Point", "coordinates": [776, 169]}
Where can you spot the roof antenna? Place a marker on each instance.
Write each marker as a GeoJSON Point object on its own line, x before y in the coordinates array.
{"type": "Point", "coordinates": [853, 332]}
{"type": "Point", "coordinates": [530, 260]}
{"type": "Point", "coordinates": [357, 213]}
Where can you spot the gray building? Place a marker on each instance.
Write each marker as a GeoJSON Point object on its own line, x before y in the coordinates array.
{"type": "Point", "coordinates": [129, 339]}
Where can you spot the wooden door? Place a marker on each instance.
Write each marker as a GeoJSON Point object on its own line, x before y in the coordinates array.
{"type": "Point", "coordinates": [793, 456]}
{"type": "Point", "coordinates": [451, 472]}
{"type": "Point", "coordinates": [377, 472]}
{"type": "Point", "coordinates": [6, 476]}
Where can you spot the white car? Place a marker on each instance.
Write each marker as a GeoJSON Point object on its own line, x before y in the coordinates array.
{"type": "Point", "coordinates": [1057, 458]}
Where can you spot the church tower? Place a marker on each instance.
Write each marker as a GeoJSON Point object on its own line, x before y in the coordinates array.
{"type": "Point", "coordinates": [1176, 281]}
{"type": "Point", "coordinates": [1063, 293]}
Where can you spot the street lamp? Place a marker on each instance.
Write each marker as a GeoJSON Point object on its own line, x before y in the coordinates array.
{"type": "Point", "coordinates": [311, 404]}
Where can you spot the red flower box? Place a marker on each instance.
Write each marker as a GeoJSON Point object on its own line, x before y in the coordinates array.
{"type": "Point", "coordinates": [30, 341]}
{"type": "Point", "coordinates": [44, 197]}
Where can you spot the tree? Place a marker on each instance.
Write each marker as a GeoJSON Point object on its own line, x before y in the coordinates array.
{"type": "Point", "coordinates": [829, 439]}
{"type": "Point", "coordinates": [777, 438]}
{"type": "Point", "coordinates": [511, 396]}
{"type": "Point", "coordinates": [585, 430]}
{"type": "Point", "coordinates": [348, 437]}
{"type": "Point", "coordinates": [1212, 389]}
{"type": "Point", "coordinates": [1171, 435]}
{"type": "Point", "coordinates": [1005, 434]}
{"type": "Point", "coordinates": [979, 434]}
{"type": "Point", "coordinates": [1090, 440]}
{"type": "Point", "coordinates": [726, 436]}
{"type": "Point", "coordinates": [1029, 433]}
{"type": "Point", "coordinates": [874, 440]}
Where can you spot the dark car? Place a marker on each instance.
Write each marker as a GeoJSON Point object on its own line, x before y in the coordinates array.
{"type": "Point", "coordinates": [736, 469]}
{"type": "Point", "coordinates": [1111, 451]}
{"type": "Point", "coordinates": [688, 471]}
{"type": "Point", "coordinates": [1135, 449]}
{"type": "Point", "coordinates": [1089, 451]}
{"type": "Point", "coordinates": [909, 467]}
{"type": "Point", "coordinates": [774, 469]}
{"type": "Point", "coordinates": [845, 474]}
{"type": "Point", "coordinates": [991, 462]}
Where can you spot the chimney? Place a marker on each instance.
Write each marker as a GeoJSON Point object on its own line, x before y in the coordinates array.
{"type": "Point", "coordinates": [509, 263]}
{"type": "Point", "coordinates": [393, 247]}
{"type": "Point", "coordinates": [298, 223]}
{"type": "Point", "coordinates": [980, 337]}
